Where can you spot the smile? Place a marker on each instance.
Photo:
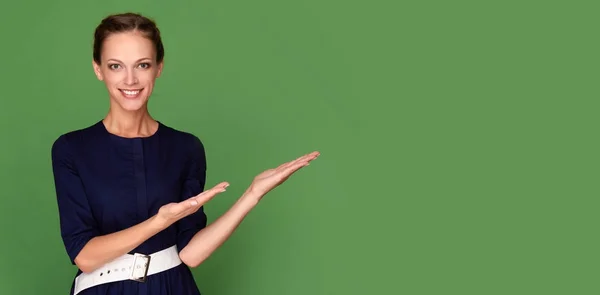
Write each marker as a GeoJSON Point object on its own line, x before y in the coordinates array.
{"type": "Point", "coordinates": [131, 93]}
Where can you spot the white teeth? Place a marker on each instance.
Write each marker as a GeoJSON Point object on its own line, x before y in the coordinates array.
{"type": "Point", "coordinates": [127, 92]}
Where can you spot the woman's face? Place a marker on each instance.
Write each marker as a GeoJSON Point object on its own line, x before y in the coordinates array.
{"type": "Point", "coordinates": [128, 69]}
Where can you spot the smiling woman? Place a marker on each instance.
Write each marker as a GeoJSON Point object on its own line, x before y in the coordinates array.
{"type": "Point", "coordinates": [130, 189]}
{"type": "Point", "coordinates": [128, 57]}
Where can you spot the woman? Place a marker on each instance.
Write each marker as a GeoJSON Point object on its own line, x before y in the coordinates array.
{"type": "Point", "coordinates": [130, 189]}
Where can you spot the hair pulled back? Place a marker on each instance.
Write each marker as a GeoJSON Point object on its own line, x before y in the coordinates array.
{"type": "Point", "coordinates": [127, 22]}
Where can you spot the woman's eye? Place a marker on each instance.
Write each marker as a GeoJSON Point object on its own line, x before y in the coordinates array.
{"type": "Point", "coordinates": [113, 66]}
{"type": "Point", "coordinates": [144, 65]}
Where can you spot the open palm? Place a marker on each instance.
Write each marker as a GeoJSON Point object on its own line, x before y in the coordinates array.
{"type": "Point", "coordinates": [172, 212]}
{"type": "Point", "coordinates": [271, 178]}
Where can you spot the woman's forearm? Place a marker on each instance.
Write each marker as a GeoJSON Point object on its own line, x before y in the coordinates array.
{"type": "Point", "coordinates": [103, 249]}
{"type": "Point", "coordinates": [209, 239]}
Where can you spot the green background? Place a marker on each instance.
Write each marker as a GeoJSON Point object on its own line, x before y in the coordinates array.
{"type": "Point", "coordinates": [459, 139]}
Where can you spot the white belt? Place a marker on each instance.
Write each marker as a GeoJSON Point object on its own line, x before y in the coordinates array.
{"type": "Point", "coordinates": [129, 267]}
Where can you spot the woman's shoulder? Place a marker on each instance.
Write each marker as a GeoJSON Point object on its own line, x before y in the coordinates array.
{"type": "Point", "coordinates": [176, 132]}
{"type": "Point", "coordinates": [180, 137]}
{"type": "Point", "coordinates": [76, 138]}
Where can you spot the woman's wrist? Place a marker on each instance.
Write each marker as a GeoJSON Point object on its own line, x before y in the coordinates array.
{"type": "Point", "coordinates": [158, 223]}
{"type": "Point", "coordinates": [251, 197]}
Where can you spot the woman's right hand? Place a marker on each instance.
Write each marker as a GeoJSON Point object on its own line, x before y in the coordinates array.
{"type": "Point", "coordinates": [171, 213]}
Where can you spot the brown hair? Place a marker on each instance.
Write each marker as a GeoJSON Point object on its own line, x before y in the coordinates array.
{"type": "Point", "coordinates": [127, 22]}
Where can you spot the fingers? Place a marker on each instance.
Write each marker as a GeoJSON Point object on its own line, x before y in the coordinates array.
{"type": "Point", "coordinates": [176, 211]}
{"type": "Point", "coordinates": [295, 165]}
{"type": "Point", "coordinates": [207, 195]}
{"type": "Point", "coordinates": [194, 203]}
{"type": "Point", "coordinates": [293, 168]}
{"type": "Point", "coordinates": [308, 157]}
{"type": "Point", "coordinates": [303, 159]}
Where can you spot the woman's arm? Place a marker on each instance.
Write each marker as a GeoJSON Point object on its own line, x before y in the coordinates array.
{"type": "Point", "coordinates": [103, 249]}
{"type": "Point", "coordinates": [210, 238]}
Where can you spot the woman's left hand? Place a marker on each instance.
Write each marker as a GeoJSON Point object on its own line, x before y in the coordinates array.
{"type": "Point", "coordinates": [269, 179]}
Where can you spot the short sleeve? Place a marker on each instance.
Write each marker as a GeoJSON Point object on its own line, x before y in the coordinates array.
{"type": "Point", "coordinates": [193, 185]}
{"type": "Point", "coordinates": [77, 224]}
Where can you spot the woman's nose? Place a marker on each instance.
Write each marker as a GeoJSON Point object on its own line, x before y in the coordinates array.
{"type": "Point", "coordinates": [131, 79]}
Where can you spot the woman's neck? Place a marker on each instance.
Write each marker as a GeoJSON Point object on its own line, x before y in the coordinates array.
{"type": "Point", "coordinates": [130, 124]}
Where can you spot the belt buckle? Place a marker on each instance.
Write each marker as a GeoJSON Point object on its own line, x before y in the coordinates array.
{"type": "Point", "coordinates": [139, 272]}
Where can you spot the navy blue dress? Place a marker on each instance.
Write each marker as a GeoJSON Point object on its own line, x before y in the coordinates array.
{"type": "Point", "coordinates": [106, 183]}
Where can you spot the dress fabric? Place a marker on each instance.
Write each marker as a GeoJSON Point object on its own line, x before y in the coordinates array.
{"type": "Point", "coordinates": [106, 183]}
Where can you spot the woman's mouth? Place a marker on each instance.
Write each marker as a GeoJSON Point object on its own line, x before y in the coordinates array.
{"type": "Point", "coordinates": [131, 93]}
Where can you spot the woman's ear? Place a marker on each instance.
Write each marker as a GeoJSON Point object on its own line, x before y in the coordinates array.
{"type": "Point", "coordinates": [97, 70]}
{"type": "Point", "coordinates": [160, 68]}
